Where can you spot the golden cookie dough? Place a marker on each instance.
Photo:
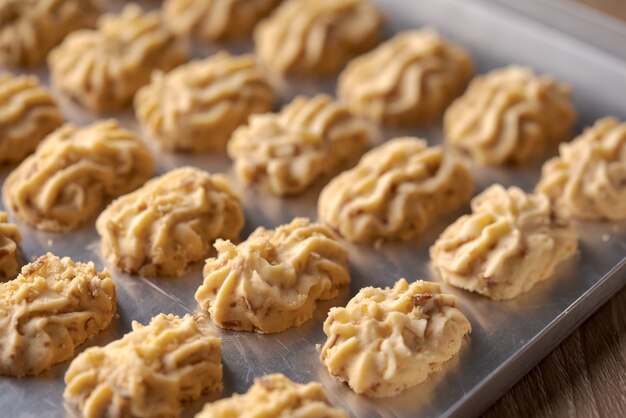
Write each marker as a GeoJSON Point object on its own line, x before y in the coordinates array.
{"type": "Point", "coordinates": [287, 152]}
{"type": "Point", "coordinates": [273, 280]}
{"type": "Point", "coordinates": [408, 80]}
{"type": "Point", "coordinates": [274, 396]}
{"type": "Point", "coordinates": [316, 37]}
{"type": "Point", "coordinates": [511, 241]}
{"type": "Point", "coordinates": [214, 20]}
{"type": "Point", "coordinates": [51, 308]}
{"type": "Point", "coordinates": [588, 179]}
{"type": "Point", "coordinates": [29, 29]}
{"type": "Point", "coordinates": [103, 68]}
{"type": "Point", "coordinates": [9, 255]}
{"type": "Point", "coordinates": [387, 340]}
{"type": "Point", "coordinates": [74, 173]}
{"type": "Point", "coordinates": [169, 223]}
{"type": "Point", "coordinates": [149, 372]}
{"type": "Point", "coordinates": [509, 116]}
{"type": "Point", "coordinates": [395, 192]}
{"type": "Point", "coordinates": [27, 114]}
{"type": "Point", "coordinates": [197, 106]}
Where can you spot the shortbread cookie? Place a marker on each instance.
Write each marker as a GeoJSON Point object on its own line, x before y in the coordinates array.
{"type": "Point", "coordinates": [27, 114]}
{"type": "Point", "coordinates": [29, 29]}
{"type": "Point", "coordinates": [509, 116]}
{"type": "Point", "coordinates": [287, 152]}
{"type": "Point", "coordinates": [510, 242]}
{"type": "Point", "coordinates": [273, 280]}
{"type": "Point", "coordinates": [275, 395]}
{"type": "Point", "coordinates": [386, 340]}
{"type": "Point", "coordinates": [588, 179]}
{"type": "Point", "coordinates": [316, 37]}
{"type": "Point", "coordinates": [51, 308]}
{"type": "Point", "coordinates": [408, 80]}
{"type": "Point", "coordinates": [102, 69]}
{"type": "Point", "coordinates": [169, 223]}
{"type": "Point", "coordinates": [9, 255]}
{"type": "Point", "coordinates": [149, 372]}
{"type": "Point", "coordinates": [197, 106]}
{"type": "Point", "coordinates": [395, 192]}
{"type": "Point", "coordinates": [74, 172]}
{"type": "Point", "coordinates": [214, 20]}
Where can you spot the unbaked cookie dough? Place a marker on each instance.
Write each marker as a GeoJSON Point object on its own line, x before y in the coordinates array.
{"type": "Point", "coordinates": [29, 29]}
{"type": "Point", "coordinates": [197, 106]}
{"type": "Point", "coordinates": [169, 223]}
{"type": "Point", "coordinates": [588, 179]}
{"type": "Point", "coordinates": [74, 172]}
{"type": "Point", "coordinates": [273, 280]}
{"type": "Point", "coordinates": [102, 69]}
{"type": "Point", "coordinates": [395, 192]}
{"type": "Point", "coordinates": [9, 255]}
{"type": "Point", "coordinates": [27, 114]}
{"type": "Point", "coordinates": [149, 372]}
{"type": "Point", "coordinates": [316, 37]}
{"type": "Point", "coordinates": [52, 307]}
{"type": "Point", "coordinates": [511, 241]}
{"type": "Point", "coordinates": [509, 116]}
{"type": "Point", "coordinates": [287, 152]}
{"type": "Point", "coordinates": [386, 340]}
{"type": "Point", "coordinates": [408, 80]}
{"type": "Point", "coordinates": [214, 20]}
{"type": "Point", "coordinates": [273, 396]}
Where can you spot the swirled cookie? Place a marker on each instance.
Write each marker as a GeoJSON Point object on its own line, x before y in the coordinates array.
{"type": "Point", "coordinates": [588, 179]}
{"type": "Point", "coordinates": [9, 238]}
{"type": "Point", "coordinates": [275, 395]}
{"type": "Point", "coordinates": [169, 223]}
{"type": "Point", "coordinates": [273, 280]}
{"type": "Point", "coordinates": [27, 114]}
{"type": "Point", "coordinates": [395, 192]}
{"type": "Point", "coordinates": [149, 372]}
{"type": "Point", "coordinates": [29, 29]}
{"type": "Point", "coordinates": [408, 80]}
{"type": "Point", "coordinates": [102, 69]}
{"type": "Point", "coordinates": [510, 242]}
{"type": "Point", "coordinates": [287, 152]}
{"type": "Point", "coordinates": [74, 172]}
{"type": "Point", "coordinates": [52, 307]}
{"type": "Point", "coordinates": [386, 340]}
{"type": "Point", "coordinates": [509, 116]}
{"type": "Point", "coordinates": [197, 106]}
{"type": "Point", "coordinates": [214, 20]}
{"type": "Point", "coordinates": [316, 37]}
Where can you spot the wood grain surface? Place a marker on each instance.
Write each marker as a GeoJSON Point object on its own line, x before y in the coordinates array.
{"type": "Point", "coordinates": [616, 8]}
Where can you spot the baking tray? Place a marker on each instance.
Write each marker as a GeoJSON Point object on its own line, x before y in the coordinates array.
{"type": "Point", "coordinates": [508, 338]}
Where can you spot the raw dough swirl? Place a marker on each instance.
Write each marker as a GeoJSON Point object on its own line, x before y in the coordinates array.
{"type": "Point", "coordinates": [10, 236]}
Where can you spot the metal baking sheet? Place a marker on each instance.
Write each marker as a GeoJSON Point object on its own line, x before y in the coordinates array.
{"type": "Point", "coordinates": [508, 338]}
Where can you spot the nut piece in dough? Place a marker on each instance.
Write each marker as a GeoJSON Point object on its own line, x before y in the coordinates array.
{"type": "Point", "coordinates": [214, 20]}
{"type": "Point", "coordinates": [316, 37]}
{"type": "Point", "coordinates": [52, 307]}
{"type": "Point", "coordinates": [273, 280]}
{"type": "Point", "coordinates": [29, 29]}
{"type": "Point", "coordinates": [102, 69]}
{"type": "Point", "coordinates": [386, 340]}
{"type": "Point", "coordinates": [275, 395]}
{"type": "Point", "coordinates": [588, 179]}
{"type": "Point", "coordinates": [510, 242]}
{"type": "Point", "coordinates": [395, 192]}
{"type": "Point", "coordinates": [149, 371]}
{"type": "Point", "coordinates": [9, 255]}
{"type": "Point", "coordinates": [74, 172]}
{"type": "Point", "coordinates": [197, 106]}
{"type": "Point", "coordinates": [509, 116]}
{"type": "Point", "coordinates": [27, 114]}
{"type": "Point", "coordinates": [169, 223]}
{"type": "Point", "coordinates": [408, 80]}
{"type": "Point", "coordinates": [287, 152]}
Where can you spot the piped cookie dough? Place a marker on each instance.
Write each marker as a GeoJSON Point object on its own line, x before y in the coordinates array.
{"type": "Point", "coordinates": [10, 237]}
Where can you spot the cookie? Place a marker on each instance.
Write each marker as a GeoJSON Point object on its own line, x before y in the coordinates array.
{"type": "Point", "coordinates": [9, 255]}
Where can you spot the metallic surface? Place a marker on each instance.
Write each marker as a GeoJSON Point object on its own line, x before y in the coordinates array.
{"type": "Point", "coordinates": [508, 338]}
